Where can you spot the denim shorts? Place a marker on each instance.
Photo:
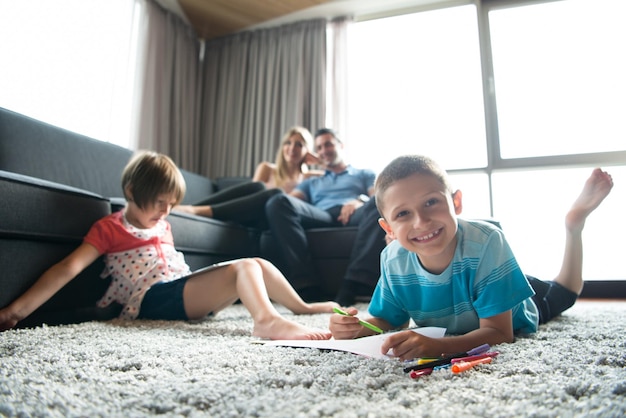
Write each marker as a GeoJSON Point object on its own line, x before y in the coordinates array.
{"type": "Point", "coordinates": [164, 301]}
{"type": "Point", "coordinates": [551, 298]}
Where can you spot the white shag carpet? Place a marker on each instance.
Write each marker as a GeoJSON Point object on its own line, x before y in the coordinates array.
{"type": "Point", "coordinates": [574, 366]}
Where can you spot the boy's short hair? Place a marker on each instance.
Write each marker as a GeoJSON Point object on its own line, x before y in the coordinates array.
{"type": "Point", "coordinates": [403, 167]}
{"type": "Point", "coordinates": [325, 131]}
{"type": "Point", "coordinates": [150, 175]}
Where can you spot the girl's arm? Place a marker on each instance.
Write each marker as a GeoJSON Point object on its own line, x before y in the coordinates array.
{"type": "Point", "coordinates": [495, 330]}
{"type": "Point", "coordinates": [47, 285]}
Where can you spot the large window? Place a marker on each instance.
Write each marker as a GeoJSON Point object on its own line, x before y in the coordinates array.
{"type": "Point", "coordinates": [70, 63]}
{"type": "Point", "coordinates": [414, 84]}
{"type": "Point", "coordinates": [560, 77]}
{"type": "Point", "coordinates": [518, 101]}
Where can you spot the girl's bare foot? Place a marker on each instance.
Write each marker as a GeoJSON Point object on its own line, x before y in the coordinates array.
{"type": "Point", "coordinates": [596, 188]}
{"type": "Point", "coordinates": [280, 328]}
{"type": "Point", "coordinates": [315, 308]}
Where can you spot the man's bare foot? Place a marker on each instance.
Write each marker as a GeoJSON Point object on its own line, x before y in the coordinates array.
{"type": "Point", "coordinates": [317, 307]}
{"type": "Point", "coordinates": [596, 188]}
{"type": "Point", "coordinates": [283, 329]}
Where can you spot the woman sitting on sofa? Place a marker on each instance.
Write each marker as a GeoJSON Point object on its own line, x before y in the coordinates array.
{"type": "Point", "coordinates": [245, 203]}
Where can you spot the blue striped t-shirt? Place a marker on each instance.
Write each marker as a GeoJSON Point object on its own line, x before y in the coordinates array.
{"type": "Point", "coordinates": [482, 280]}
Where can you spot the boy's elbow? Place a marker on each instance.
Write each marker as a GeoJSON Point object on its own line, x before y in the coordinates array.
{"type": "Point", "coordinates": [507, 337]}
{"type": "Point", "coordinates": [501, 337]}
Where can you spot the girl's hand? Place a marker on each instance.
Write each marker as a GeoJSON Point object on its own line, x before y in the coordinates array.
{"type": "Point", "coordinates": [345, 327]}
{"type": "Point", "coordinates": [407, 345]}
{"type": "Point", "coordinates": [8, 319]}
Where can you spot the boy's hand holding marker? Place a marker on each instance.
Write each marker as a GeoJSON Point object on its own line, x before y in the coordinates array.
{"type": "Point", "coordinates": [360, 322]}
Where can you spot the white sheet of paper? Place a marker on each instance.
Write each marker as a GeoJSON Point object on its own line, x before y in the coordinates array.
{"type": "Point", "coordinates": [366, 346]}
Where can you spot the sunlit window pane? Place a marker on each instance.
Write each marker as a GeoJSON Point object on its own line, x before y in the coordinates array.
{"type": "Point", "coordinates": [414, 86]}
{"type": "Point", "coordinates": [560, 77]}
{"type": "Point", "coordinates": [532, 205]}
{"type": "Point", "coordinates": [70, 63]}
{"type": "Point", "coordinates": [475, 194]}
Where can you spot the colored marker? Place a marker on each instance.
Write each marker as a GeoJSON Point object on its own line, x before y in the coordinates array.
{"type": "Point", "coordinates": [364, 323]}
{"type": "Point", "coordinates": [466, 365]}
{"type": "Point", "coordinates": [478, 357]}
{"type": "Point", "coordinates": [424, 360]}
{"type": "Point", "coordinates": [447, 359]}
{"type": "Point", "coordinates": [417, 373]}
{"type": "Point", "coordinates": [473, 352]}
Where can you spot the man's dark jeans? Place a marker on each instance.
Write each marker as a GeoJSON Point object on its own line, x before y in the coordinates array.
{"type": "Point", "coordinates": [289, 217]}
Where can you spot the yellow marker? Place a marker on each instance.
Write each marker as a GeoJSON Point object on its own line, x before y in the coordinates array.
{"type": "Point", "coordinates": [424, 360]}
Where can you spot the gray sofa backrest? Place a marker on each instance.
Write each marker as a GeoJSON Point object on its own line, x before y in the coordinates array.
{"type": "Point", "coordinates": [38, 149]}
{"type": "Point", "coordinates": [41, 150]}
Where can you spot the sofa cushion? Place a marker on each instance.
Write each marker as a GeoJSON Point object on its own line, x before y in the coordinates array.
{"type": "Point", "coordinates": [42, 222]}
{"type": "Point", "coordinates": [330, 249]}
{"type": "Point", "coordinates": [206, 241]}
{"type": "Point", "coordinates": [198, 187]}
{"type": "Point", "coordinates": [41, 209]}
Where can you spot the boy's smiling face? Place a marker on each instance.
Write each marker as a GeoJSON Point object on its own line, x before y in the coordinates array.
{"type": "Point", "coordinates": [421, 214]}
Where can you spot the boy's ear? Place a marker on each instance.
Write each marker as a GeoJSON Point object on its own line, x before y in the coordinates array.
{"type": "Point", "coordinates": [385, 226]}
{"type": "Point", "coordinates": [457, 200]}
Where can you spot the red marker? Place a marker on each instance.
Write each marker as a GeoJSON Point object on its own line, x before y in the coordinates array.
{"type": "Point", "coordinates": [422, 372]}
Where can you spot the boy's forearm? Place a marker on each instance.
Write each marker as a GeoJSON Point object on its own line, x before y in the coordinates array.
{"type": "Point", "coordinates": [472, 339]}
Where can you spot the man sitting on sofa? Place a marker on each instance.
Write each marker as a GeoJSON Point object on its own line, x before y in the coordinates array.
{"type": "Point", "coordinates": [341, 197]}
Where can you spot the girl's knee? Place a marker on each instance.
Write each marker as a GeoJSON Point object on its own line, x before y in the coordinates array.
{"type": "Point", "coordinates": [248, 264]}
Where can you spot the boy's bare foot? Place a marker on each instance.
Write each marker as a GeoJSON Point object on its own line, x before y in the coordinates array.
{"type": "Point", "coordinates": [317, 307]}
{"type": "Point", "coordinates": [280, 328]}
{"type": "Point", "coordinates": [596, 188]}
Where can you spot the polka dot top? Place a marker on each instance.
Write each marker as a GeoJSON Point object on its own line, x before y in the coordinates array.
{"type": "Point", "coordinates": [135, 259]}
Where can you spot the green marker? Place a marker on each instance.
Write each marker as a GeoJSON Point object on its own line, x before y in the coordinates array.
{"type": "Point", "coordinates": [364, 323]}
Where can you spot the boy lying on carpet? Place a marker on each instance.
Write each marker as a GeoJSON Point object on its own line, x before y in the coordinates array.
{"type": "Point", "coordinates": [159, 285]}
{"type": "Point", "coordinates": [459, 274]}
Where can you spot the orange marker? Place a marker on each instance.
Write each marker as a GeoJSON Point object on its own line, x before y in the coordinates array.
{"type": "Point", "coordinates": [462, 366]}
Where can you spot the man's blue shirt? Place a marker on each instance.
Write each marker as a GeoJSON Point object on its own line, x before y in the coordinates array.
{"type": "Point", "coordinates": [333, 189]}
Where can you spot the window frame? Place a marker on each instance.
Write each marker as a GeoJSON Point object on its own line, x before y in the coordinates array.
{"type": "Point", "coordinates": [495, 163]}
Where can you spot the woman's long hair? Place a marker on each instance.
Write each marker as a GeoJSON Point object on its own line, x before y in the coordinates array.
{"type": "Point", "coordinates": [282, 171]}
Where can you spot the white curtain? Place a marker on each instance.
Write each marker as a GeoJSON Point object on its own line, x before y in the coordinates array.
{"type": "Point", "coordinates": [257, 84]}
{"type": "Point", "coordinates": [337, 74]}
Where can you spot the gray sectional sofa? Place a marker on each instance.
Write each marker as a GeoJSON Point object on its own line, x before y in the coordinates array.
{"type": "Point", "coordinates": [54, 184]}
